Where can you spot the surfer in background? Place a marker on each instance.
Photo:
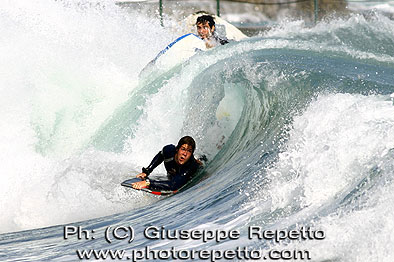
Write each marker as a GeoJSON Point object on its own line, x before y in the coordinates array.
{"type": "Point", "coordinates": [206, 30]}
{"type": "Point", "coordinates": [179, 162]}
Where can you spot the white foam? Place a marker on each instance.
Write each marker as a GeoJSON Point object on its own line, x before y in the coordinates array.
{"type": "Point", "coordinates": [65, 67]}
{"type": "Point", "coordinates": [332, 147]}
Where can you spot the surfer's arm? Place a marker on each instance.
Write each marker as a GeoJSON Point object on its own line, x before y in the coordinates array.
{"type": "Point", "coordinates": [178, 181]}
{"type": "Point", "coordinates": [157, 160]}
{"type": "Point", "coordinates": [169, 185]}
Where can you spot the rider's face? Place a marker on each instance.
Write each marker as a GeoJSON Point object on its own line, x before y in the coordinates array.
{"type": "Point", "coordinates": [204, 31]}
{"type": "Point", "coordinates": [183, 154]}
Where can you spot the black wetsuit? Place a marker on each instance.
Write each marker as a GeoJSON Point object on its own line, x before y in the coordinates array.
{"type": "Point", "coordinates": [178, 175]}
{"type": "Point", "coordinates": [216, 40]}
{"type": "Point", "coordinates": [221, 40]}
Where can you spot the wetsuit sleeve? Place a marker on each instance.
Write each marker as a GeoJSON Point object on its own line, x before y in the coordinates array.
{"type": "Point", "coordinates": [157, 160]}
{"type": "Point", "coordinates": [169, 185]}
{"type": "Point", "coordinates": [223, 41]}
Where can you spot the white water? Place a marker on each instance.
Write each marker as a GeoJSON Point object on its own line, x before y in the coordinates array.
{"type": "Point", "coordinates": [63, 72]}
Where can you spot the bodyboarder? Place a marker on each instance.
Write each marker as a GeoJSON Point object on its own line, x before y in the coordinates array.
{"type": "Point", "coordinates": [179, 163]}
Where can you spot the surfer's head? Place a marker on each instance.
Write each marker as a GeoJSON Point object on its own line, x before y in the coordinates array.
{"type": "Point", "coordinates": [205, 26]}
{"type": "Point", "coordinates": [184, 149]}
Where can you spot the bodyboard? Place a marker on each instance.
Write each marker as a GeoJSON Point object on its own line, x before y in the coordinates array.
{"type": "Point", "coordinates": [176, 52]}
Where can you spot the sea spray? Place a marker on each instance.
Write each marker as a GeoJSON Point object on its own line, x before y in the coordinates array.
{"type": "Point", "coordinates": [65, 68]}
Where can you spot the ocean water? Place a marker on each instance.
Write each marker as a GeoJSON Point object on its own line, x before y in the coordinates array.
{"type": "Point", "coordinates": [297, 124]}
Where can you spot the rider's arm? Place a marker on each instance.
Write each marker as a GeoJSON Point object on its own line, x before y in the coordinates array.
{"type": "Point", "coordinates": [157, 160]}
{"type": "Point", "coordinates": [178, 181]}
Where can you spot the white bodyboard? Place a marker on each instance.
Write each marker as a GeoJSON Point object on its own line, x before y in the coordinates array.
{"type": "Point", "coordinates": [177, 52]}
